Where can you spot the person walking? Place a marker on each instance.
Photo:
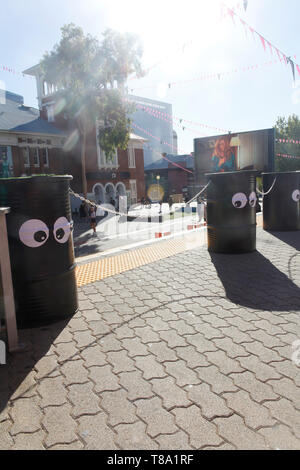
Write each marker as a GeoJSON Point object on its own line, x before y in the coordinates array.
{"type": "Point", "coordinates": [93, 219]}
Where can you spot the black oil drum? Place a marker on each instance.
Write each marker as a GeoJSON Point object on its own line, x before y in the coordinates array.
{"type": "Point", "coordinates": [231, 212]}
{"type": "Point", "coordinates": [41, 248]}
{"type": "Point", "coordinates": [281, 207]}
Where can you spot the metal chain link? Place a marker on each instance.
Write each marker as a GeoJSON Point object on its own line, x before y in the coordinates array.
{"type": "Point", "coordinates": [199, 194]}
{"type": "Point", "coordinates": [92, 203]}
{"type": "Point", "coordinates": [265, 194]}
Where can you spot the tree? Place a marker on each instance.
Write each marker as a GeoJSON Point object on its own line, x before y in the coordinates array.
{"type": "Point", "coordinates": [90, 77]}
{"type": "Point", "coordinates": [287, 129]}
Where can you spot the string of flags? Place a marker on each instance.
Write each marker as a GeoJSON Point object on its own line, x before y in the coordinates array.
{"type": "Point", "coordinates": [285, 155]}
{"type": "Point", "coordinates": [167, 159]}
{"type": "Point", "coordinates": [169, 118]}
{"type": "Point", "coordinates": [160, 140]}
{"type": "Point", "coordinates": [265, 42]}
{"type": "Point", "coordinates": [288, 141]}
{"type": "Point", "coordinates": [212, 76]}
{"type": "Point", "coordinates": [4, 68]}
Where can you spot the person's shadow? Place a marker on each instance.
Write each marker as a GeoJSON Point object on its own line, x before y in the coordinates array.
{"type": "Point", "coordinates": [253, 281]}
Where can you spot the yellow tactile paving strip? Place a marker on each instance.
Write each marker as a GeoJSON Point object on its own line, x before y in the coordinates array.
{"type": "Point", "coordinates": [106, 267]}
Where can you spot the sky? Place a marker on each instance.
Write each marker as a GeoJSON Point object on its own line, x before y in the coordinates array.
{"type": "Point", "coordinates": [183, 40]}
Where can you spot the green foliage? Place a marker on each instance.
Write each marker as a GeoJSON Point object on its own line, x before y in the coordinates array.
{"type": "Point", "coordinates": [287, 129]}
{"type": "Point", "coordinates": [86, 72]}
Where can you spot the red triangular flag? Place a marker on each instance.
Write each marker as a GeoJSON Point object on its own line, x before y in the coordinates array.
{"type": "Point", "coordinates": [252, 31]}
{"type": "Point", "coordinates": [271, 48]}
{"type": "Point", "coordinates": [230, 13]}
{"type": "Point", "coordinates": [278, 53]}
{"type": "Point", "coordinates": [263, 42]}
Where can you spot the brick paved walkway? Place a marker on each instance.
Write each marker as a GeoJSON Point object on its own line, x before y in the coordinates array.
{"type": "Point", "coordinates": [190, 352]}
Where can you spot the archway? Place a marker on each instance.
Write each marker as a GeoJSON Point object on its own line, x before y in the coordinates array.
{"type": "Point", "coordinates": [120, 189]}
{"type": "Point", "coordinates": [99, 193]}
{"type": "Point", "coordinates": [110, 193]}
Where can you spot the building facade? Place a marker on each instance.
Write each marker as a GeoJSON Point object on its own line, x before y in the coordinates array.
{"type": "Point", "coordinates": [122, 175]}
{"type": "Point", "coordinates": [28, 144]}
{"type": "Point", "coordinates": [170, 173]}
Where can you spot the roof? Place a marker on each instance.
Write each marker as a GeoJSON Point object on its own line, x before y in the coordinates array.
{"type": "Point", "coordinates": [163, 164]}
{"type": "Point", "coordinates": [137, 137]}
{"type": "Point", "coordinates": [34, 70]}
{"type": "Point", "coordinates": [16, 117]}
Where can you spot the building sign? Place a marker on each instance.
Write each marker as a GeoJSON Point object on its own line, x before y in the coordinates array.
{"type": "Point", "coordinates": [6, 164]}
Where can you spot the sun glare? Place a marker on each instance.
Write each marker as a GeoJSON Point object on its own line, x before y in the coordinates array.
{"type": "Point", "coordinates": [168, 28]}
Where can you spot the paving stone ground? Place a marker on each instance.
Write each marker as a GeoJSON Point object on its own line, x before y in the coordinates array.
{"type": "Point", "coordinates": [190, 352]}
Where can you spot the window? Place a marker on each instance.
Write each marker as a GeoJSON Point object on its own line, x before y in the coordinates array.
{"type": "Point", "coordinates": [26, 158]}
{"type": "Point", "coordinates": [131, 157]}
{"type": "Point", "coordinates": [103, 160]}
{"type": "Point", "coordinates": [45, 157]}
{"type": "Point", "coordinates": [133, 191]}
{"type": "Point", "coordinates": [36, 157]}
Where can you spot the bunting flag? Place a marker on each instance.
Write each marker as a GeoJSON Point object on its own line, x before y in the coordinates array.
{"type": "Point", "coordinates": [170, 161]}
{"type": "Point", "coordinates": [158, 139]}
{"type": "Point", "coordinates": [271, 48]}
{"type": "Point", "coordinates": [263, 40]}
{"type": "Point", "coordinates": [285, 155]}
{"type": "Point", "coordinates": [288, 141]}
{"type": "Point", "coordinates": [213, 76]}
{"type": "Point", "coordinates": [4, 68]}
{"type": "Point", "coordinates": [169, 118]}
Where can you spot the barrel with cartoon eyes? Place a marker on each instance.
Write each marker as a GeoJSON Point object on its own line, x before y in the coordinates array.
{"type": "Point", "coordinates": [41, 248]}
{"type": "Point", "coordinates": [281, 207]}
{"type": "Point", "coordinates": [231, 212]}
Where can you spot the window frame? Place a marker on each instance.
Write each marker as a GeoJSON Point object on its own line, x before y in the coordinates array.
{"type": "Point", "coordinates": [131, 157]}
{"type": "Point", "coordinates": [27, 161]}
{"type": "Point", "coordinates": [46, 154]}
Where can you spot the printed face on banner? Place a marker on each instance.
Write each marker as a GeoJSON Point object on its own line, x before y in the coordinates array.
{"type": "Point", "coordinates": [234, 152]}
{"type": "Point", "coordinates": [223, 157]}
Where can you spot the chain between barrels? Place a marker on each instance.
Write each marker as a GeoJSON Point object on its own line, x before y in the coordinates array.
{"type": "Point", "coordinates": [94, 204]}
{"type": "Point", "coordinates": [268, 192]}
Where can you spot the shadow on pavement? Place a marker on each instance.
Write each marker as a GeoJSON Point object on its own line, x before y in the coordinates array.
{"type": "Point", "coordinates": [290, 238]}
{"type": "Point", "coordinates": [88, 249]}
{"type": "Point", "coordinates": [252, 281]}
{"type": "Point", "coordinates": [18, 378]}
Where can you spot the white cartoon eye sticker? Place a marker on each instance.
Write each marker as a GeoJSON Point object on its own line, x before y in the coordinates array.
{"type": "Point", "coordinates": [296, 195]}
{"type": "Point", "coordinates": [62, 230]}
{"type": "Point", "coordinates": [239, 200]}
{"type": "Point", "coordinates": [34, 233]}
{"type": "Point", "coordinates": [252, 199]}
